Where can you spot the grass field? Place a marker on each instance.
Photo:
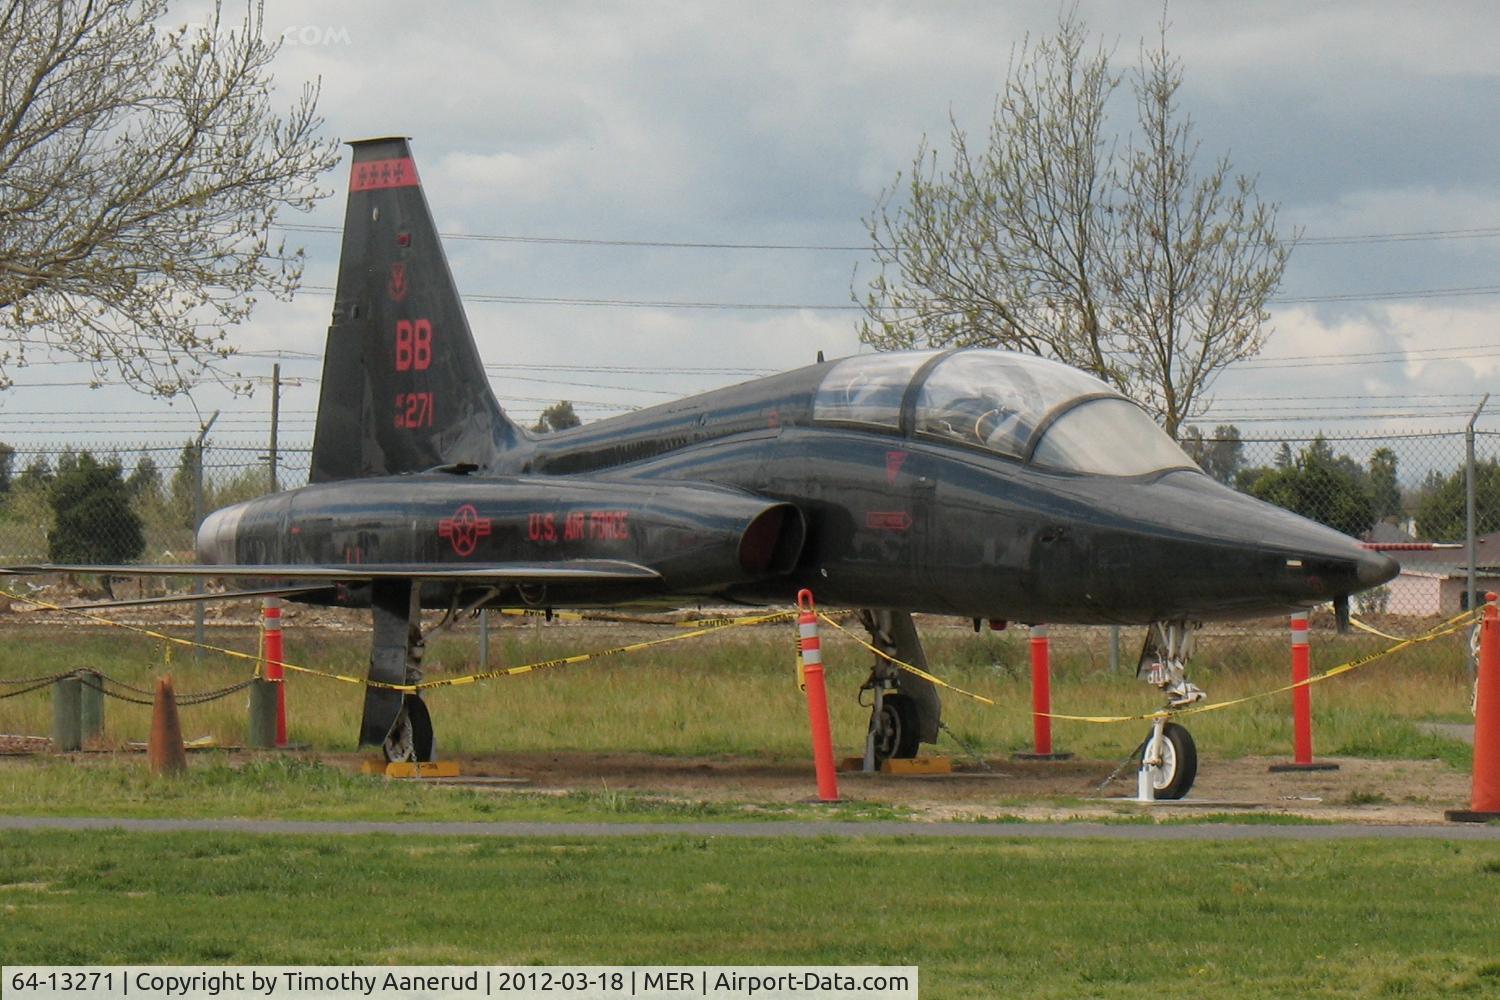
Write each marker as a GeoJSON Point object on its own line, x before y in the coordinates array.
{"type": "Point", "coordinates": [995, 919]}
{"type": "Point", "coordinates": [734, 692]}
{"type": "Point", "coordinates": [980, 919]}
{"type": "Point", "coordinates": [288, 787]}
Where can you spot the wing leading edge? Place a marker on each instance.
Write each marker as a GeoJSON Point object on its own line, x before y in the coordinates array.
{"type": "Point", "coordinates": [562, 571]}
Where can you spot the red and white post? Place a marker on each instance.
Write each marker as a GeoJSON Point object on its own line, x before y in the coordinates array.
{"type": "Point", "coordinates": [817, 697]}
{"type": "Point", "coordinates": [1041, 690]}
{"type": "Point", "coordinates": [1041, 699]}
{"type": "Point", "coordinates": [1302, 752]}
{"type": "Point", "coordinates": [1484, 800]}
{"type": "Point", "coordinates": [271, 626]}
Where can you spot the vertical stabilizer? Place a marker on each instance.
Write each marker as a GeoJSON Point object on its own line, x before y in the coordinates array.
{"type": "Point", "coordinates": [404, 388]}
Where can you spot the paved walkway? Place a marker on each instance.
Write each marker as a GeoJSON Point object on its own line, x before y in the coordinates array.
{"type": "Point", "coordinates": [960, 831]}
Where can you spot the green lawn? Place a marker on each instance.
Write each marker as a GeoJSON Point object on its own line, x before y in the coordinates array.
{"type": "Point", "coordinates": [734, 692]}
{"type": "Point", "coordinates": [991, 919]}
{"type": "Point", "coordinates": [286, 787]}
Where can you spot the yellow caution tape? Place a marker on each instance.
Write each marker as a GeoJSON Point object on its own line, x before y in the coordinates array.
{"type": "Point", "coordinates": [594, 616]}
{"type": "Point", "coordinates": [774, 616]}
{"type": "Point", "coordinates": [169, 640]}
{"type": "Point", "coordinates": [918, 671]}
{"type": "Point", "coordinates": [585, 657]}
{"type": "Point", "coordinates": [1449, 627]}
{"type": "Point", "coordinates": [1455, 624]}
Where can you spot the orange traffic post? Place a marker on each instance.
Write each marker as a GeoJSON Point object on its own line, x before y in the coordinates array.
{"type": "Point", "coordinates": [1041, 699]}
{"type": "Point", "coordinates": [817, 697]}
{"type": "Point", "coordinates": [1484, 802]}
{"type": "Point", "coordinates": [1302, 753]}
{"type": "Point", "coordinates": [164, 751]}
{"type": "Point", "coordinates": [271, 618]}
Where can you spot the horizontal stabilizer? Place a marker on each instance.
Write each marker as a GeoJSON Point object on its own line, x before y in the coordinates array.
{"type": "Point", "coordinates": [299, 593]}
{"type": "Point", "coordinates": [564, 571]}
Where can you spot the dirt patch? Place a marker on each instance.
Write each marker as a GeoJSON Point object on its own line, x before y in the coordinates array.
{"type": "Point", "coordinates": [1361, 791]}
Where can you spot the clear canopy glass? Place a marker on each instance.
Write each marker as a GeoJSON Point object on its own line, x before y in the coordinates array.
{"type": "Point", "coordinates": [996, 399]}
{"type": "Point", "coordinates": [1018, 405]}
{"type": "Point", "coordinates": [868, 388]}
{"type": "Point", "coordinates": [1108, 437]}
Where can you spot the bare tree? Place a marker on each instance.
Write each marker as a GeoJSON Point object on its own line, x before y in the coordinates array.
{"type": "Point", "coordinates": [1053, 240]}
{"type": "Point", "coordinates": [141, 173]}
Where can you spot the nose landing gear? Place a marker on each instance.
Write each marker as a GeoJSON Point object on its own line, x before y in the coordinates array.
{"type": "Point", "coordinates": [1169, 757]}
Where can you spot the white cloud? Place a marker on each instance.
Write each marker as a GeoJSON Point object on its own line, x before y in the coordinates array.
{"type": "Point", "coordinates": [779, 122]}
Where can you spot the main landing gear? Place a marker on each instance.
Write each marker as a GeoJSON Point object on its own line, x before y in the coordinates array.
{"type": "Point", "coordinates": [1169, 758]}
{"type": "Point", "coordinates": [398, 722]}
{"type": "Point", "coordinates": [905, 710]}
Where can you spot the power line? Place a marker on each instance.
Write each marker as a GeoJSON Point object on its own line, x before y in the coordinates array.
{"type": "Point", "coordinates": [1351, 239]}
{"type": "Point", "coordinates": [584, 241]}
{"type": "Point", "coordinates": [1393, 415]}
{"type": "Point", "coordinates": [563, 300]}
{"type": "Point", "coordinates": [1416, 293]}
{"type": "Point", "coordinates": [566, 300]}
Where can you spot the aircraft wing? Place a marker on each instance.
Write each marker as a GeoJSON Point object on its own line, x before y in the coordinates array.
{"type": "Point", "coordinates": [561, 571]}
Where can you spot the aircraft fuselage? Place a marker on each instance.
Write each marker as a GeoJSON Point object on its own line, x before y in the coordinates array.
{"type": "Point", "coordinates": [865, 519]}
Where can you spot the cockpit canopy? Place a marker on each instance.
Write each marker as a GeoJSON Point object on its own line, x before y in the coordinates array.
{"type": "Point", "coordinates": [1017, 405]}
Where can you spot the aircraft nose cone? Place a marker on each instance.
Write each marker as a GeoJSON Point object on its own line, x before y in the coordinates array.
{"type": "Point", "coordinates": [1373, 568]}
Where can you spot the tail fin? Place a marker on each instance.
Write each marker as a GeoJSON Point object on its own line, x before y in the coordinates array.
{"type": "Point", "coordinates": [403, 388]}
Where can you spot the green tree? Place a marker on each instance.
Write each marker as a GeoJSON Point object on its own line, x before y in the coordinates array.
{"type": "Point", "coordinates": [7, 467]}
{"type": "Point", "coordinates": [1221, 456]}
{"type": "Point", "coordinates": [559, 416]}
{"type": "Point", "coordinates": [143, 173]}
{"type": "Point", "coordinates": [92, 518]}
{"type": "Point", "coordinates": [1442, 512]}
{"type": "Point", "coordinates": [1245, 479]}
{"type": "Point", "coordinates": [38, 473]}
{"type": "Point", "coordinates": [1319, 486]}
{"type": "Point", "coordinates": [1385, 488]}
{"type": "Point", "coordinates": [184, 484]}
{"type": "Point", "coordinates": [145, 479]}
{"type": "Point", "coordinates": [1130, 260]}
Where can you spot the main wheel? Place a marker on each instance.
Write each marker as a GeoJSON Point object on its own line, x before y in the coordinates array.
{"type": "Point", "coordinates": [411, 739]}
{"type": "Point", "coordinates": [896, 728]}
{"type": "Point", "coordinates": [1179, 762]}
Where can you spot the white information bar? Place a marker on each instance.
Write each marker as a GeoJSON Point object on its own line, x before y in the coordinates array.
{"type": "Point", "coordinates": [460, 982]}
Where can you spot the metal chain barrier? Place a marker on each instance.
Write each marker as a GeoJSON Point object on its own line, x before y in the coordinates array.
{"type": "Point", "coordinates": [35, 680]}
{"type": "Point", "coordinates": [198, 698]}
{"type": "Point", "coordinates": [35, 687]}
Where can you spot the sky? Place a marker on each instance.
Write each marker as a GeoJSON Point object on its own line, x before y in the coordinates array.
{"type": "Point", "coordinates": [1373, 125]}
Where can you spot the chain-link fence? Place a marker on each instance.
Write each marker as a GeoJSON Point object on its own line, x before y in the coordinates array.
{"type": "Point", "coordinates": [1405, 494]}
{"type": "Point", "coordinates": [136, 503]}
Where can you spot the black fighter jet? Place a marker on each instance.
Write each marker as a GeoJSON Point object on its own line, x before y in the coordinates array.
{"type": "Point", "coordinates": [974, 483]}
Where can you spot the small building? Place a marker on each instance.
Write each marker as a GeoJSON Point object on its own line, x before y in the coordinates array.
{"type": "Point", "coordinates": [1434, 582]}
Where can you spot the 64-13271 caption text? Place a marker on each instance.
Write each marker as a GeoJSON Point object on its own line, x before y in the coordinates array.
{"type": "Point", "coordinates": [366, 982]}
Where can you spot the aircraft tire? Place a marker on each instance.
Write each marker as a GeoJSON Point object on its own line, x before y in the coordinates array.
{"type": "Point", "coordinates": [412, 739]}
{"type": "Point", "coordinates": [899, 728]}
{"type": "Point", "coordinates": [1179, 762]}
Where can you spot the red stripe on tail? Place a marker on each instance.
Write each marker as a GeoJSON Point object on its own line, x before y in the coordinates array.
{"type": "Point", "coordinates": [375, 175]}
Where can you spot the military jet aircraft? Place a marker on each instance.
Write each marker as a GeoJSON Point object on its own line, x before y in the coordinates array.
{"type": "Point", "coordinates": [975, 483]}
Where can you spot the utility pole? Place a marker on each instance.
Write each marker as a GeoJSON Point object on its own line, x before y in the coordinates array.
{"type": "Point", "coordinates": [275, 419]}
{"type": "Point", "coordinates": [198, 523]}
{"type": "Point", "coordinates": [1471, 542]}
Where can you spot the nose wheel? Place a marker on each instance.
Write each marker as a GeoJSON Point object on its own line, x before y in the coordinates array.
{"type": "Point", "coordinates": [1169, 762]}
